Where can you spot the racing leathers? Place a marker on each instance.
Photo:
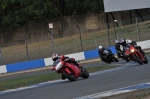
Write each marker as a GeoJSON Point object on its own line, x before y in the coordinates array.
{"type": "Point", "coordinates": [70, 60]}
{"type": "Point", "coordinates": [66, 58]}
{"type": "Point", "coordinates": [118, 50]}
{"type": "Point", "coordinates": [101, 55]}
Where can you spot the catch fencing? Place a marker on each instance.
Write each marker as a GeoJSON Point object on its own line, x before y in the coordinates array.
{"type": "Point", "coordinates": [137, 29]}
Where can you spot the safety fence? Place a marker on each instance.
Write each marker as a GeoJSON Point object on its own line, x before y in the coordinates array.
{"type": "Point", "coordinates": [137, 29]}
{"type": "Point", "coordinates": [48, 61]}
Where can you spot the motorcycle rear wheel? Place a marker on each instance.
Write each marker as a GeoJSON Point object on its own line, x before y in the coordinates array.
{"type": "Point", "coordinates": [70, 77]}
{"type": "Point", "coordinates": [85, 73]}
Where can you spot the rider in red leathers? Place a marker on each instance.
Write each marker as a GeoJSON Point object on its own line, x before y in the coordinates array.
{"type": "Point", "coordinates": [56, 58]}
{"type": "Point", "coordinates": [135, 45]}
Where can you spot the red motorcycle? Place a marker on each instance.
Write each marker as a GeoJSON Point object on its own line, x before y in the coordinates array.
{"type": "Point", "coordinates": [135, 55]}
{"type": "Point", "coordinates": [69, 70]}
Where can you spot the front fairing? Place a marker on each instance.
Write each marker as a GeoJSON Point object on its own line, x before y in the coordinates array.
{"type": "Point", "coordinates": [73, 69]}
{"type": "Point", "coordinates": [127, 50]}
{"type": "Point", "coordinates": [107, 52]}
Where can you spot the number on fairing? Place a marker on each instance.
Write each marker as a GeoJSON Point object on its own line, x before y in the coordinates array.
{"type": "Point", "coordinates": [121, 47]}
{"type": "Point", "coordinates": [58, 66]}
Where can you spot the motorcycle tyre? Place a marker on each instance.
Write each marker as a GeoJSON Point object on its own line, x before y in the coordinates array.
{"type": "Point", "coordinates": [115, 59]}
{"type": "Point", "coordinates": [69, 76]}
{"type": "Point", "coordinates": [146, 60]}
{"type": "Point", "coordinates": [63, 77]}
{"type": "Point", "coordinates": [137, 60]}
{"type": "Point", "coordinates": [126, 59]}
{"type": "Point", "coordinates": [85, 73]}
{"type": "Point", "coordinates": [107, 60]}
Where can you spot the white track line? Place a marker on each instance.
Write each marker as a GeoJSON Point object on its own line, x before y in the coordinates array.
{"type": "Point", "coordinates": [116, 91]}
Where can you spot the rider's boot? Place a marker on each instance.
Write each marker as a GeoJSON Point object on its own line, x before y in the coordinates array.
{"type": "Point", "coordinates": [76, 63]}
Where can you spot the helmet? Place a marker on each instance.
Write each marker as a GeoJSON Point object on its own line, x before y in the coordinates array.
{"type": "Point", "coordinates": [117, 41]}
{"type": "Point", "coordinates": [101, 48]}
{"type": "Point", "coordinates": [128, 41]}
{"type": "Point", "coordinates": [122, 40]}
{"type": "Point", "coordinates": [54, 57]}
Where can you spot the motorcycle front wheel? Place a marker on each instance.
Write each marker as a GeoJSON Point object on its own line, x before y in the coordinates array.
{"type": "Point", "coordinates": [137, 59]}
{"type": "Point", "coordinates": [107, 60]}
{"type": "Point", "coordinates": [126, 59]}
{"type": "Point", "coordinates": [115, 59]}
{"type": "Point", "coordinates": [70, 77]}
{"type": "Point", "coordinates": [146, 60]}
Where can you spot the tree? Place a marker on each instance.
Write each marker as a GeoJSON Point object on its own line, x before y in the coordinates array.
{"type": "Point", "coordinates": [16, 13]}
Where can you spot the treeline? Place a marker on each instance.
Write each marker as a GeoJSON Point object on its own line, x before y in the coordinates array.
{"type": "Point", "coordinates": [16, 13]}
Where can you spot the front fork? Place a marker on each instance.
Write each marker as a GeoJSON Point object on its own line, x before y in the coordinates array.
{"type": "Point", "coordinates": [141, 55]}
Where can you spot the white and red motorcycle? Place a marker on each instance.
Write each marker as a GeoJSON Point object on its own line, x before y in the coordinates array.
{"type": "Point", "coordinates": [69, 70]}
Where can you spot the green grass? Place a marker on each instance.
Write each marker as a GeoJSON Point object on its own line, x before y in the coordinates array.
{"type": "Point", "coordinates": [21, 82]}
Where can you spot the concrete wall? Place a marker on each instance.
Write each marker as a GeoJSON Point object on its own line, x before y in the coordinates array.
{"type": "Point", "coordinates": [3, 69]}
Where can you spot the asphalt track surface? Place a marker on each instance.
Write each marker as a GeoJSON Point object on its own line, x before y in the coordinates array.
{"type": "Point", "coordinates": [28, 74]}
{"type": "Point", "coordinates": [130, 74]}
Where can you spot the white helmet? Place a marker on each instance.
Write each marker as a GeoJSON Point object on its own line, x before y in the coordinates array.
{"type": "Point", "coordinates": [100, 47]}
{"type": "Point", "coordinates": [128, 41]}
{"type": "Point", "coordinates": [117, 41]}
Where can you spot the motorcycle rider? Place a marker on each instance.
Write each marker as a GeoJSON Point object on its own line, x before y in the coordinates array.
{"type": "Point", "coordinates": [56, 58]}
{"type": "Point", "coordinates": [123, 43]}
{"type": "Point", "coordinates": [117, 47]}
{"type": "Point", "coordinates": [128, 41]}
{"type": "Point", "coordinates": [100, 53]}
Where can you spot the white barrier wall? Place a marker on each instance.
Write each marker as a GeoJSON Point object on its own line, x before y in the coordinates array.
{"type": "Point", "coordinates": [144, 44]}
{"type": "Point", "coordinates": [48, 61]}
{"type": "Point", "coordinates": [3, 69]}
{"type": "Point", "coordinates": [148, 41]}
{"type": "Point", "coordinates": [77, 56]}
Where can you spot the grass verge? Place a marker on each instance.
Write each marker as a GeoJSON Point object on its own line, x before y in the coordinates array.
{"type": "Point", "coordinates": [21, 82]}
